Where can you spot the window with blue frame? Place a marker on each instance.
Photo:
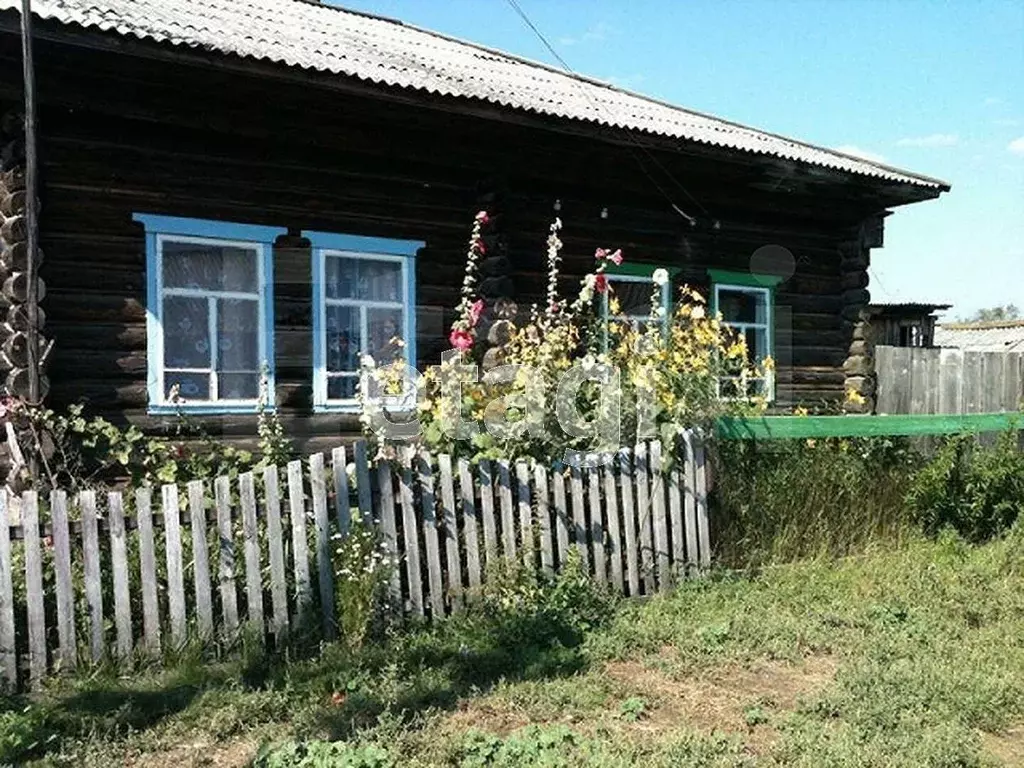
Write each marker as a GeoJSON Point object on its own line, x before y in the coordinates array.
{"type": "Point", "coordinates": [746, 303]}
{"type": "Point", "coordinates": [633, 291]}
{"type": "Point", "coordinates": [363, 304]}
{"type": "Point", "coordinates": [209, 314]}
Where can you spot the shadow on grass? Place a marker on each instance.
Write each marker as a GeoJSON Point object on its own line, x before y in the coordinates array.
{"type": "Point", "coordinates": [30, 726]}
{"type": "Point", "coordinates": [434, 668]}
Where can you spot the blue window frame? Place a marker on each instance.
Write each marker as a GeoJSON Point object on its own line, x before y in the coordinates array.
{"type": "Point", "coordinates": [364, 291]}
{"type": "Point", "coordinates": [209, 314]}
{"type": "Point", "coordinates": [746, 302]}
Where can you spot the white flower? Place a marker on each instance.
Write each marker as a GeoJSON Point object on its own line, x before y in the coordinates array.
{"type": "Point", "coordinates": [697, 313]}
{"type": "Point", "coordinates": [367, 361]}
{"type": "Point", "coordinates": [660, 276]}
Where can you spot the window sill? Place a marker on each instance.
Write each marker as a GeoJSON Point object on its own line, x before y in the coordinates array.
{"type": "Point", "coordinates": [207, 409]}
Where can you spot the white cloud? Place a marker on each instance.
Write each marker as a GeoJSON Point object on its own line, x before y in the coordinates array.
{"type": "Point", "coordinates": [1007, 122]}
{"type": "Point", "coordinates": [993, 101]}
{"type": "Point", "coordinates": [863, 154]}
{"type": "Point", "coordinates": [930, 141]}
{"type": "Point", "coordinates": [596, 33]}
{"type": "Point", "coordinates": [1017, 146]}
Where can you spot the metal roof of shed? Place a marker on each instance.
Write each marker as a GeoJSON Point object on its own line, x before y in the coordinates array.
{"type": "Point", "coordinates": [1000, 336]}
{"type": "Point", "coordinates": [334, 40]}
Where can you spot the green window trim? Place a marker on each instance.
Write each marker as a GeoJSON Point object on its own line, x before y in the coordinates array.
{"type": "Point", "coordinates": [745, 279]}
{"type": "Point", "coordinates": [750, 281]}
{"type": "Point", "coordinates": [633, 269]}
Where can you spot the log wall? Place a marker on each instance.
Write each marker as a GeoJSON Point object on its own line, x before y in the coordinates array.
{"type": "Point", "coordinates": [177, 139]}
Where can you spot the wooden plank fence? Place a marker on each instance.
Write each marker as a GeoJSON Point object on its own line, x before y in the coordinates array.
{"type": "Point", "coordinates": [148, 570]}
{"type": "Point", "coordinates": [948, 381]}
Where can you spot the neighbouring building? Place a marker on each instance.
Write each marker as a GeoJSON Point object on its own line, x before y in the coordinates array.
{"type": "Point", "coordinates": [908, 324]}
{"type": "Point", "coordinates": [995, 336]}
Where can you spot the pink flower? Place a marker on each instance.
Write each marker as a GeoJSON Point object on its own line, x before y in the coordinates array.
{"type": "Point", "coordinates": [480, 247]}
{"type": "Point", "coordinates": [475, 310]}
{"type": "Point", "coordinates": [600, 253]}
{"type": "Point", "coordinates": [600, 283]}
{"type": "Point", "coordinates": [482, 217]}
{"type": "Point", "coordinates": [460, 339]}
{"type": "Point", "coordinates": [615, 257]}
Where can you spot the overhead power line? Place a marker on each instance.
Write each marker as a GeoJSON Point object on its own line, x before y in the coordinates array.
{"type": "Point", "coordinates": [636, 145]}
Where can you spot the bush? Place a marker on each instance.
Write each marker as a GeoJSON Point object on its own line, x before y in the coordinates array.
{"type": "Point", "coordinates": [975, 490]}
{"type": "Point", "coordinates": [784, 500]}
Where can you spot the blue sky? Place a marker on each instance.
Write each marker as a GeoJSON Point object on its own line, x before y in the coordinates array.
{"type": "Point", "coordinates": [935, 87]}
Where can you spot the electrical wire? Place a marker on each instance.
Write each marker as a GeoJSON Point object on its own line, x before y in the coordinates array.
{"type": "Point", "coordinates": [551, 49]}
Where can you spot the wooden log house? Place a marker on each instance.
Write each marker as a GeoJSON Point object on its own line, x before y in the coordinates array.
{"type": "Point", "coordinates": [283, 183]}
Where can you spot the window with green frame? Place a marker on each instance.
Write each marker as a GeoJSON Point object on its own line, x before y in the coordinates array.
{"type": "Point", "coordinates": [632, 287]}
{"type": "Point", "coordinates": [746, 302]}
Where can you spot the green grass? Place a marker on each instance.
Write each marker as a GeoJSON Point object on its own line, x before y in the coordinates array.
{"type": "Point", "coordinates": [912, 656]}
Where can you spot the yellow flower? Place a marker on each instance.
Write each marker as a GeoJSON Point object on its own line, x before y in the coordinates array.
{"type": "Point", "coordinates": [800, 411]}
{"type": "Point", "coordinates": [613, 306]}
{"type": "Point", "coordinates": [854, 397]}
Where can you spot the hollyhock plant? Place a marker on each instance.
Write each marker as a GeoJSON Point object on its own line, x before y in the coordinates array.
{"type": "Point", "coordinates": [461, 340]}
{"type": "Point", "coordinates": [672, 368]}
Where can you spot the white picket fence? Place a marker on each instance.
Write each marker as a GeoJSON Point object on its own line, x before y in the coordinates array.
{"type": "Point", "coordinates": [122, 578]}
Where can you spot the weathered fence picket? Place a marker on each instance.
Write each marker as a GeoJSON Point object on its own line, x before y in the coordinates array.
{"type": "Point", "coordinates": [561, 513]}
{"type": "Point", "coordinates": [34, 586]}
{"type": "Point", "coordinates": [226, 557]}
{"type": "Point", "coordinates": [413, 566]}
{"type": "Point", "coordinates": [451, 531]}
{"type": "Point", "coordinates": [596, 525]}
{"type": "Point", "coordinates": [662, 556]}
{"type": "Point", "coordinates": [275, 542]}
{"type": "Point", "coordinates": [636, 523]}
{"type": "Point", "coordinates": [324, 563]}
{"type": "Point", "coordinates": [547, 551]}
{"type": "Point", "coordinates": [612, 525]}
{"type": "Point", "coordinates": [172, 544]}
{"type": "Point", "coordinates": [525, 512]}
{"type": "Point", "coordinates": [389, 530]}
{"type": "Point", "coordinates": [122, 589]}
{"type": "Point", "coordinates": [508, 534]}
{"type": "Point", "coordinates": [339, 473]}
{"type": "Point", "coordinates": [470, 523]}
{"type": "Point", "coordinates": [147, 573]}
{"type": "Point", "coordinates": [251, 552]}
{"type": "Point", "coordinates": [200, 559]}
{"type": "Point", "coordinates": [68, 650]}
{"type": "Point", "coordinates": [431, 542]}
{"type": "Point", "coordinates": [487, 511]}
{"type": "Point", "coordinates": [300, 545]}
{"type": "Point", "coordinates": [8, 651]}
{"type": "Point", "coordinates": [629, 521]}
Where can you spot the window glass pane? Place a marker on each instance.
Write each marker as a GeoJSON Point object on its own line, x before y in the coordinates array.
{"type": "Point", "coordinates": [757, 343]}
{"type": "Point", "coordinates": [191, 386]}
{"type": "Point", "coordinates": [186, 332]}
{"type": "Point", "coordinates": [238, 386]}
{"type": "Point", "coordinates": [384, 325]}
{"type": "Point", "coordinates": [341, 328]}
{"type": "Point", "coordinates": [238, 339]}
{"type": "Point", "coordinates": [365, 279]}
{"type": "Point", "coordinates": [209, 267]}
{"type": "Point", "coordinates": [634, 297]}
{"type": "Point", "coordinates": [341, 387]}
{"type": "Point", "coordinates": [739, 306]}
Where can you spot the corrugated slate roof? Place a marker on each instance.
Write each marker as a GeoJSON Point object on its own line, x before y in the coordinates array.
{"type": "Point", "coordinates": [982, 337]}
{"type": "Point", "coordinates": [331, 39]}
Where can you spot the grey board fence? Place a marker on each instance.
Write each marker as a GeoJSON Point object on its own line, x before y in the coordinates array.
{"type": "Point", "coordinates": [138, 572]}
{"type": "Point", "coordinates": [939, 381]}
